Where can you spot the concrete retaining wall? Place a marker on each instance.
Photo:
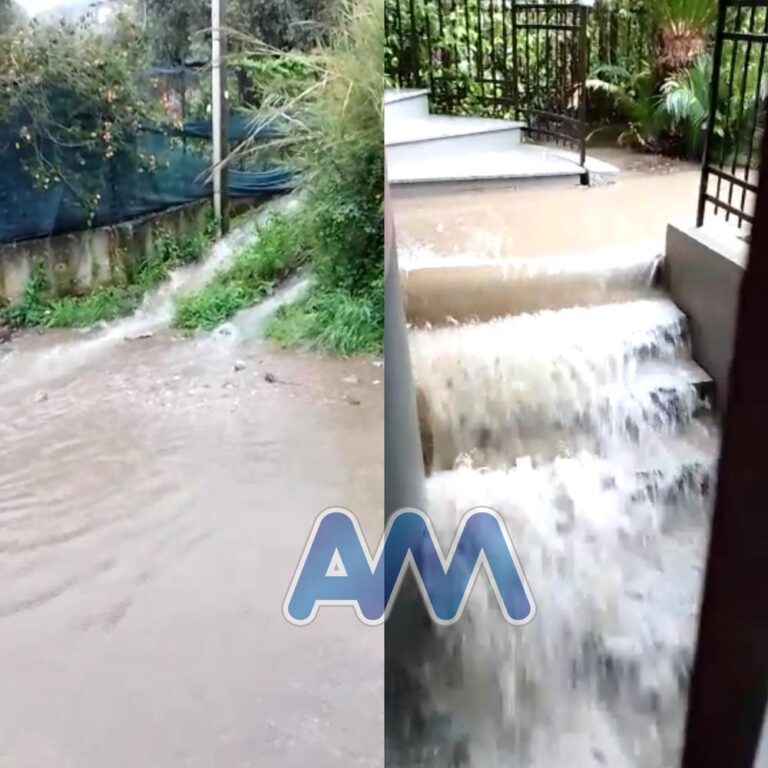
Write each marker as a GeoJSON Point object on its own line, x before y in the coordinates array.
{"type": "Point", "coordinates": [77, 262]}
{"type": "Point", "coordinates": [702, 272]}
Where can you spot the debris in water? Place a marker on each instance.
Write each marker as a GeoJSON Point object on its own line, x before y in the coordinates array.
{"type": "Point", "coordinates": [225, 330]}
{"type": "Point", "coordinates": [351, 400]}
{"type": "Point", "coordinates": [239, 366]}
{"type": "Point", "coordinates": [351, 380]}
{"type": "Point", "coordinates": [270, 377]}
{"type": "Point", "coordinates": [140, 337]}
{"type": "Point", "coordinates": [41, 397]}
{"type": "Point", "coordinates": [378, 363]}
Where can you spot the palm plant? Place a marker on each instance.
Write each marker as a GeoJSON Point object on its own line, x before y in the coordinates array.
{"type": "Point", "coordinates": [633, 97]}
{"type": "Point", "coordinates": [683, 104]}
{"type": "Point", "coordinates": [682, 29]}
{"type": "Point", "coordinates": [670, 119]}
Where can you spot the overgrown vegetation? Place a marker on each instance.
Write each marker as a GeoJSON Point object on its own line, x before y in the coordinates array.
{"type": "Point", "coordinates": [179, 30]}
{"type": "Point", "coordinates": [72, 99]}
{"type": "Point", "coordinates": [276, 251]}
{"type": "Point", "coordinates": [344, 311]}
{"type": "Point", "coordinates": [337, 142]}
{"type": "Point", "coordinates": [39, 307]}
{"type": "Point", "coordinates": [671, 118]}
{"type": "Point", "coordinates": [10, 14]}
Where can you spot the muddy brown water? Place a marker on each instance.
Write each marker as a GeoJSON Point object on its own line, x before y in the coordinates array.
{"type": "Point", "coordinates": [153, 506]}
{"type": "Point", "coordinates": [548, 220]}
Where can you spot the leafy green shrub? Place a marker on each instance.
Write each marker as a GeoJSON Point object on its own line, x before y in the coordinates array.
{"type": "Point", "coordinates": [348, 223]}
{"type": "Point", "coordinates": [74, 99]}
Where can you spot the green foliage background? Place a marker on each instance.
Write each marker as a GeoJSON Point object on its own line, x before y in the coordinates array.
{"type": "Point", "coordinates": [333, 104]}
{"type": "Point", "coordinates": [650, 66]}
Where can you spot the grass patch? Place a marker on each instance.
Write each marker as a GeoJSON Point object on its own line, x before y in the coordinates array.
{"type": "Point", "coordinates": [331, 321]}
{"type": "Point", "coordinates": [104, 304]}
{"type": "Point", "coordinates": [108, 302]}
{"type": "Point", "coordinates": [278, 250]}
{"type": "Point", "coordinates": [336, 141]}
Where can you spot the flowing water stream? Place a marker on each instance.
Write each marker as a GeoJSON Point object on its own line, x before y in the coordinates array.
{"type": "Point", "coordinates": [155, 490]}
{"type": "Point", "coordinates": [587, 428]}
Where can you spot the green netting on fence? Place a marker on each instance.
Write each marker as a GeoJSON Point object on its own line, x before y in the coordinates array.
{"type": "Point", "coordinates": [118, 187]}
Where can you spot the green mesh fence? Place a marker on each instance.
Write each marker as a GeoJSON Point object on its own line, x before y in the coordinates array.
{"type": "Point", "coordinates": [119, 188]}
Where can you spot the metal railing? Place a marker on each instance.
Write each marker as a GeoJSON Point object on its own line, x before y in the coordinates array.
{"type": "Point", "coordinates": [620, 37]}
{"type": "Point", "coordinates": [736, 113]}
{"type": "Point", "coordinates": [522, 60]}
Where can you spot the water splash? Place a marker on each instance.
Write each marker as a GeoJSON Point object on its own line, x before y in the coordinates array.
{"type": "Point", "coordinates": [35, 368]}
{"type": "Point", "coordinates": [593, 371]}
{"type": "Point", "coordinates": [582, 428]}
{"type": "Point", "coordinates": [249, 323]}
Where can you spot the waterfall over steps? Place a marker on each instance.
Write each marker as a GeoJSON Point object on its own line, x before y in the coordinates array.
{"type": "Point", "coordinates": [587, 425]}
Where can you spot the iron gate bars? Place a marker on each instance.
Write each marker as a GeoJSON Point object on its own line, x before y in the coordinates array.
{"type": "Point", "coordinates": [551, 72]}
{"type": "Point", "coordinates": [619, 36]}
{"type": "Point", "coordinates": [736, 112]}
{"type": "Point", "coordinates": [521, 60]}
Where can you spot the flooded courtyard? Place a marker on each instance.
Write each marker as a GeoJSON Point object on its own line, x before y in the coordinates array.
{"type": "Point", "coordinates": [552, 219]}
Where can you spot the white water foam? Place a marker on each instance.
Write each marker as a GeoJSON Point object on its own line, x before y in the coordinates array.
{"type": "Point", "coordinates": [512, 384]}
{"type": "Point", "coordinates": [611, 531]}
{"type": "Point", "coordinates": [598, 678]}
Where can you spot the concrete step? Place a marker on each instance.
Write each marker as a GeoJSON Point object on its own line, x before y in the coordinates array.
{"type": "Point", "coordinates": [438, 290]}
{"type": "Point", "coordinates": [516, 167]}
{"type": "Point", "coordinates": [439, 138]}
{"type": "Point", "coordinates": [406, 103]}
{"type": "Point", "coordinates": [680, 464]}
{"type": "Point", "coordinates": [662, 399]}
{"type": "Point", "coordinates": [520, 371]}
{"type": "Point", "coordinates": [512, 166]}
{"type": "Point", "coordinates": [659, 470]}
{"type": "Point", "coordinates": [587, 535]}
{"type": "Point", "coordinates": [540, 344]}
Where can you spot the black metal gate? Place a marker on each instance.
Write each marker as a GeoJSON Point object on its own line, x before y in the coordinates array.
{"type": "Point", "coordinates": [736, 112]}
{"type": "Point", "coordinates": [551, 71]}
{"type": "Point", "coordinates": [522, 60]}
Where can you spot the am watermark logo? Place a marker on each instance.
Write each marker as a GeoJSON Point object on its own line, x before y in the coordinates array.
{"type": "Point", "coordinates": [337, 568]}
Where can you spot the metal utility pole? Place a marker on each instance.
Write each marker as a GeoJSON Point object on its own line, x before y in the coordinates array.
{"type": "Point", "coordinates": [219, 114]}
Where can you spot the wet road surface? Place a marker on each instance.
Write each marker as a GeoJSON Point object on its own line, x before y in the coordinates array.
{"type": "Point", "coordinates": [153, 506]}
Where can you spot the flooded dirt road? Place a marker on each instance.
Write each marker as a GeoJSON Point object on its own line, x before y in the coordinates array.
{"type": "Point", "coordinates": [153, 505]}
